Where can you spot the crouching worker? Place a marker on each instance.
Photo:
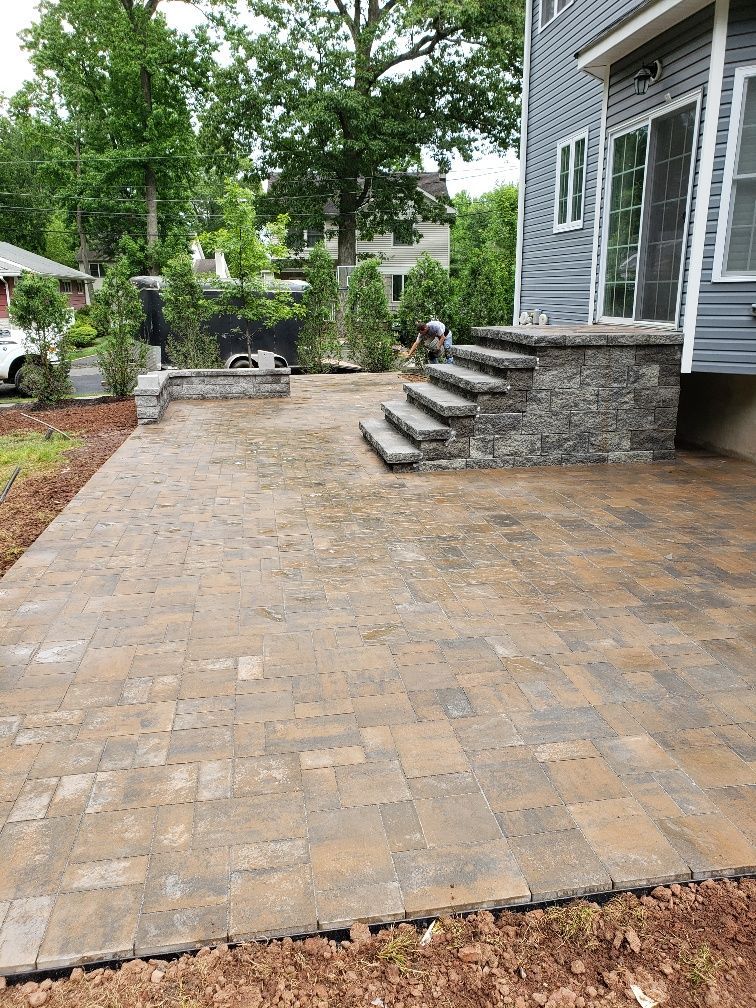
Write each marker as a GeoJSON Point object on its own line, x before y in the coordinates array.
{"type": "Point", "coordinates": [437, 340]}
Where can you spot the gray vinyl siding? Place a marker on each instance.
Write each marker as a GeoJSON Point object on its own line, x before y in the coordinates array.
{"type": "Point", "coordinates": [725, 338]}
{"type": "Point", "coordinates": [562, 100]}
{"type": "Point", "coordinates": [685, 54]}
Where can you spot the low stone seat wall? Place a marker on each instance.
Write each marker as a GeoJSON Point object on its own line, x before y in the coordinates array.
{"type": "Point", "coordinates": [157, 388]}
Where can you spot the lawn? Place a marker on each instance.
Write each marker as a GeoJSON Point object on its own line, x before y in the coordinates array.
{"type": "Point", "coordinates": [32, 452]}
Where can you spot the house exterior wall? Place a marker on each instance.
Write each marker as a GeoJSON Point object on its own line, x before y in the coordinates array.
{"type": "Point", "coordinates": [76, 299]}
{"type": "Point", "coordinates": [555, 269]}
{"type": "Point", "coordinates": [685, 55]}
{"type": "Point", "coordinates": [399, 259]}
{"type": "Point", "coordinates": [725, 338]}
{"type": "Point", "coordinates": [560, 273]}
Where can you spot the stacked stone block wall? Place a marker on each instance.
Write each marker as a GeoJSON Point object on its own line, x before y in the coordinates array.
{"type": "Point", "coordinates": [155, 390]}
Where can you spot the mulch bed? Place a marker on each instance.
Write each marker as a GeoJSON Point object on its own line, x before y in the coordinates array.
{"type": "Point", "coordinates": [35, 501]}
{"type": "Point", "coordinates": [682, 947]}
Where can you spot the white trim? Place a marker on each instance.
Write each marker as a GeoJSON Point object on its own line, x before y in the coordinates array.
{"type": "Point", "coordinates": [646, 119]}
{"type": "Point", "coordinates": [705, 172]}
{"type": "Point", "coordinates": [599, 196]}
{"type": "Point", "coordinates": [571, 141]}
{"type": "Point", "coordinates": [719, 275]}
{"type": "Point", "coordinates": [523, 159]}
{"type": "Point", "coordinates": [635, 31]}
{"type": "Point", "coordinates": [545, 24]}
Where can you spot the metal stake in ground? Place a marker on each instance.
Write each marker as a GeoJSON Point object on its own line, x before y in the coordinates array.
{"type": "Point", "coordinates": [46, 424]}
{"type": "Point", "coordinates": [9, 484]}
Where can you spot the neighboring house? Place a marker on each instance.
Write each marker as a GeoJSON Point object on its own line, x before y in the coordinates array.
{"type": "Point", "coordinates": [14, 261]}
{"type": "Point", "coordinates": [397, 251]}
{"type": "Point", "coordinates": [202, 265]}
{"type": "Point", "coordinates": [638, 187]}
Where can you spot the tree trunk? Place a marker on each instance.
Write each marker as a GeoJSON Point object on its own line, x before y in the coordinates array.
{"type": "Point", "coordinates": [347, 254]}
{"type": "Point", "coordinates": [150, 185]}
{"type": "Point", "coordinates": [150, 181]}
{"type": "Point", "coordinates": [83, 256]}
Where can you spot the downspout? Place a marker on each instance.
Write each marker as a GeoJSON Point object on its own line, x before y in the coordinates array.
{"type": "Point", "coordinates": [523, 158]}
{"type": "Point", "coordinates": [705, 172]}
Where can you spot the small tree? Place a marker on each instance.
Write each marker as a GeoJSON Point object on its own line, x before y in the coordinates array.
{"type": "Point", "coordinates": [368, 319]}
{"type": "Point", "coordinates": [426, 295]}
{"type": "Point", "coordinates": [187, 312]}
{"type": "Point", "coordinates": [317, 339]}
{"type": "Point", "coordinates": [39, 308]}
{"type": "Point", "coordinates": [251, 251]}
{"type": "Point", "coordinates": [117, 314]}
{"type": "Point", "coordinates": [483, 291]}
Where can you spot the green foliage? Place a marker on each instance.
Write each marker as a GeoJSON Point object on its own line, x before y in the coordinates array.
{"type": "Point", "coordinates": [368, 319]}
{"type": "Point", "coordinates": [426, 295]}
{"type": "Point", "coordinates": [114, 102]}
{"type": "Point", "coordinates": [187, 312]}
{"type": "Point", "coordinates": [343, 100]}
{"type": "Point", "coordinates": [41, 311]}
{"type": "Point", "coordinates": [118, 315]}
{"type": "Point", "coordinates": [82, 335]}
{"type": "Point", "coordinates": [318, 339]}
{"type": "Point", "coordinates": [249, 252]}
{"type": "Point", "coordinates": [483, 259]}
{"type": "Point", "coordinates": [59, 240]}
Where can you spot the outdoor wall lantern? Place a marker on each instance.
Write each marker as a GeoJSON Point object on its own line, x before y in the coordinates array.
{"type": "Point", "coordinates": [649, 73]}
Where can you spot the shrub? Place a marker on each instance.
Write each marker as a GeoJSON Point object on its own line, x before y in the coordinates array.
{"type": "Point", "coordinates": [317, 340]}
{"type": "Point", "coordinates": [368, 320]}
{"type": "Point", "coordinates": [118, 316]}
{"type": "Point", "coordinates": [82, 335]}
{"type": "Point", "coordinates": [187, 311]}
{"type": "Point", "coordinates": [426, 295]}
{"type": "Point", "coordinates": [41, 311]}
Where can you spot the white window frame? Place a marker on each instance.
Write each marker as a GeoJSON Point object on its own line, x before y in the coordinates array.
{"type": "Point", "coordinates": [571, 142]}
{"type": "Point", "coordinates": [66, 287]}
{"type": "Point", "coordinates": [721, 246]}
{"type": "Point", "coordinates": [393, 277]}
{"type": "Point", "coordinates": [544, 24]}
{"type": "Point", "coordinates": [629, 127]}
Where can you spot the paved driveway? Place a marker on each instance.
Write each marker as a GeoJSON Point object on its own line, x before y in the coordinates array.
{"type": "Point", "coordinates": [252, 683]}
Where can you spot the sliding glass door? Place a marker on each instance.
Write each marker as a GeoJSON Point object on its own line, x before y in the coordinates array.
{"type": "Point", "coordinates": [649, 190]}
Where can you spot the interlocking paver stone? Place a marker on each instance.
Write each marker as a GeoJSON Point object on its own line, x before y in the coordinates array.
{"type": "Point", "coordinates": [246, 690]}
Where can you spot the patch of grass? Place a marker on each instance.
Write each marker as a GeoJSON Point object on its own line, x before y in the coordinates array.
{"type": "Point", "coordinates": [90, 351]}
{"type": "Point", "coordinates": [700, 965]}
{"type": "Point", "coordinates": [33, 452]}
{"type": "Point", "coordinates": [398, 950]}
{"type": "Point", "coordinates": [574, 923]}
{"type": "Point", "coordinates": [624, 912]}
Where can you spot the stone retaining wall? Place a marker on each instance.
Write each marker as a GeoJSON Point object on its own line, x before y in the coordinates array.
{"type": "Point", "coordinates": [155, 390]}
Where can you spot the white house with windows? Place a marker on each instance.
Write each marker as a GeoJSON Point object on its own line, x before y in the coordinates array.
{"type": "Point", "coordinates": [398, 251]}
{"type": "Point", "coordinates": [638, 187]}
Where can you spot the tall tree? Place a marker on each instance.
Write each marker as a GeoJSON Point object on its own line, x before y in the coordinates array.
{"type": "Point", "coordinates": [343, 98]}
{"type": "Point", "coordinates": [483, 258]}
{"type": "Point", "coordinates": [129, 89]}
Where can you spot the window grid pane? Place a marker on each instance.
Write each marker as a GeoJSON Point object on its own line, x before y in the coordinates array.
{"type": "Point", "coordinates": [564, 182]}
{"type": "Point", "coordinates": [628, 171]}
{"type": "Point", "coordinates": [578, 171]}
{"type": "Point", "coordinates": [741, 246]}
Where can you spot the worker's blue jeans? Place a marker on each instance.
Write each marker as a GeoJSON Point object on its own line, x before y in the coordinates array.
{"type": "Point", "coordinates": [445, 356]}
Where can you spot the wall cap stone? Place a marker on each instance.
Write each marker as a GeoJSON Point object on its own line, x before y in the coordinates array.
{"type": "Point", "coordinates": [581, 335]}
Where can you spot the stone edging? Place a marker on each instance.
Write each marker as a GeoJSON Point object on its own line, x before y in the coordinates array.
{"type": "Point", "coordinates": [157, 388]}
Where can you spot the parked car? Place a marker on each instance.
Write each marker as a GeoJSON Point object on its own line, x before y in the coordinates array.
{"type": "Point", "coordinates": [12, 354]}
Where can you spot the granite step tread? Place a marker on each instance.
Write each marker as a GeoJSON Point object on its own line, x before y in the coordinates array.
{"type": "Point", "coordinates": [412, 420]}
{"type": "Point", "coordinates": [495, 358]}
{"type": "Point", "coordinates": [466, 378]}
{"type": "Point", "coordinates": [441, 400]}
{"type": "Point", "coordinates": [393, 447]}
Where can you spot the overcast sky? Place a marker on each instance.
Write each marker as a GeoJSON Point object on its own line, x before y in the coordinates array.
{"type": "Point", "coordinates": [476, 176]}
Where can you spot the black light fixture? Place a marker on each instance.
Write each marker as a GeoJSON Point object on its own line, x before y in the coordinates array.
{"type": "Point", "coordinates": [649, 73]}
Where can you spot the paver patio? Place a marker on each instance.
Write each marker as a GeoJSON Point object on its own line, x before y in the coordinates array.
{"type": "Point", "coordinates": [252, 683]}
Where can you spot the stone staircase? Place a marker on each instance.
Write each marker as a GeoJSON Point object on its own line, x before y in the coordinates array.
{"type": "Point", "coordinates": [537, 395]}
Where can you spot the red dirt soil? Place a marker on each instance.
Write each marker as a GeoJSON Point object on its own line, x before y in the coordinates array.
{"type": "Point", "coordinates": [34, 502]}
{"type": "Point", "coordinates": [683, 947]}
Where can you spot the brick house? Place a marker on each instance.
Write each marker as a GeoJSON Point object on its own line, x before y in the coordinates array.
{"type": "Point", "coordinates": [14, 261]}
